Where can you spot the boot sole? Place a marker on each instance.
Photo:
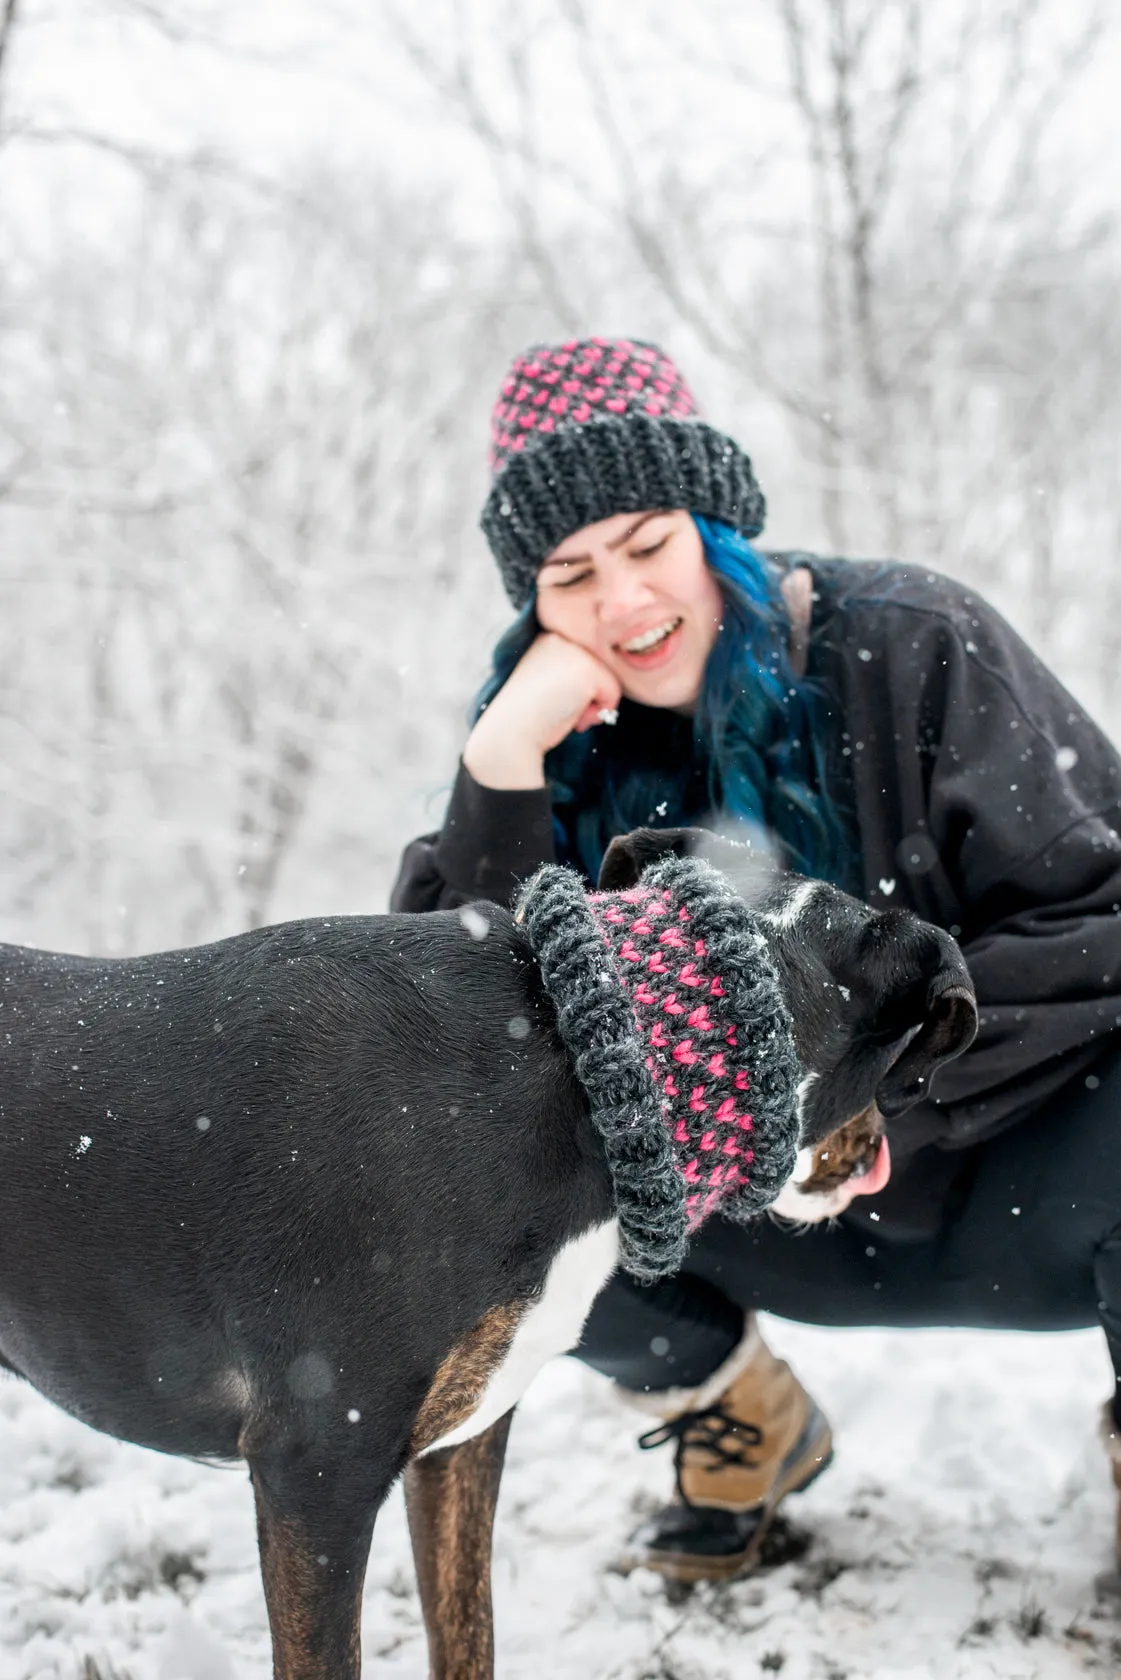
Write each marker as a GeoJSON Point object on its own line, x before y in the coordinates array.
{"type": "Point", "coordinates": [808, 1460]}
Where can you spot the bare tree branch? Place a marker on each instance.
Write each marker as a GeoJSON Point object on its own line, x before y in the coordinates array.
{"type": "Point", "coordinates": [516, 161]}
{"type": "Point", "coordinates": [9, 10]}
{"type": "Point", "coordinates": [831, 337]}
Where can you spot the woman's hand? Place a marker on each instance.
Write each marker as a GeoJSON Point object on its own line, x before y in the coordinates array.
{"type": "Point", "coordinates": [555, 688]}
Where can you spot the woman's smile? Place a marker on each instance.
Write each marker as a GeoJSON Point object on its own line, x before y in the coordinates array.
{"type": "Point", "coordinates": [652, 648]}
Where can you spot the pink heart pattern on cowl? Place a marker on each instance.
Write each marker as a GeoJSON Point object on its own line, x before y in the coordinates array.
{"type": "Point", "coordinates": [692, 1079]}
{"type": "Point", "coordinates": [680, 1009]}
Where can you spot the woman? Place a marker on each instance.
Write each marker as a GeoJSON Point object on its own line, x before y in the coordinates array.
{"type": "Point", "coordinates": [884, 728]}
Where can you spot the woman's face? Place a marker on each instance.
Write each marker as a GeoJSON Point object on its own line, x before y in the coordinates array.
{"type": "Point", "coordinates": [634, 590]}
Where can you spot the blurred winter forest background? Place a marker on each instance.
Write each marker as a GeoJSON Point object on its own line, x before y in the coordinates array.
{"type": "Point", "coordinates": [262, 263]}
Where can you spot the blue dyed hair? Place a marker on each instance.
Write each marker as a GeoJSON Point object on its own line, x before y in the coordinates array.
{"type": "Point", "coordinates": [759, 738]}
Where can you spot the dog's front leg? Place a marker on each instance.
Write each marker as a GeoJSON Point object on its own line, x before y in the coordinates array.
{"type": "Point", "coordinates": [314, 1525]}
{"type": "Point", "coordinates": [450, 1497]}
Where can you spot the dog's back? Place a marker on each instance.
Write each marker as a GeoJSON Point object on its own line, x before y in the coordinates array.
{"type": "Point", "coordinates": [312, 1156]}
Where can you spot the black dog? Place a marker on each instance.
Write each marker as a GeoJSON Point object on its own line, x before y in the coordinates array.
{"type": "Point", "coordinates": [301, 1197]}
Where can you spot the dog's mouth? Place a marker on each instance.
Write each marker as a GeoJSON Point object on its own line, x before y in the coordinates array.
{"type": "Point", "coordinates": [855, 1160]}
{"type": "Point", "coordinates": [873, 1175]}
{"type": "Point", "coordinates": [852, 1161]}
{"type": "Point", "coordinates": [856, 1150]}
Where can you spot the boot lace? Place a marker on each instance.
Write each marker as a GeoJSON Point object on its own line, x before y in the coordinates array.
{"type": "Point", "coordinates": [713, 1431]}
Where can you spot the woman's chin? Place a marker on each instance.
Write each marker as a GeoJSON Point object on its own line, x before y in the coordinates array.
{"type": "Point", "coordinates": [674, 677]}
{"type": "Point", "coordinates": [674, 691]}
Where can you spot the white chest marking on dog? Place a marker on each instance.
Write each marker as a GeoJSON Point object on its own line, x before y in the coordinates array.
{"type": "Point", "coordinates": [551, 1326]}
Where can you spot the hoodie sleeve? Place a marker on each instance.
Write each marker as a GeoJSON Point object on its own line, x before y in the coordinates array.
{"type": "Point", "coordinates": [492, 839]}
{"type": "Point", "coordinates": [1008, 800]}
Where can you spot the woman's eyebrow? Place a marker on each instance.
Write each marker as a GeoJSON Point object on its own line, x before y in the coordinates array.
{"type": "Point", "coordinates": [577, 559]}
{"type": "Point", "coordinates": [654, 513]}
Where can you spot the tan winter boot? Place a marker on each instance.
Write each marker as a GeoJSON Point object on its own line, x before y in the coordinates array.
{"type": "Point", "coordinates": [1111, 1441]}
{"type": "Point", "coordinates": [744, 1440]}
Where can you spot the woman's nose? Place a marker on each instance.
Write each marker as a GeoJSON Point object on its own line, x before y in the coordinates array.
{"type": "Point", "coordinates": [620, 596]}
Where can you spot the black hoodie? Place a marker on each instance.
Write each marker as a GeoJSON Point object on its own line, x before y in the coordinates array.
{"type": "Point", "coordinates": [984, 799]}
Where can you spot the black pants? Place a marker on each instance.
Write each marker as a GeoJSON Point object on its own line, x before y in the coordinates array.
{"type": "Point", "coordinates": [1031, 1241]}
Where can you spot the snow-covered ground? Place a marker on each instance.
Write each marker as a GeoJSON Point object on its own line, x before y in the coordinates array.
{"type": "Point", "coordinates": [965, 1529]}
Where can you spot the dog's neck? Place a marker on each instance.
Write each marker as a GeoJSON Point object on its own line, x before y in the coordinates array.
{"type": "Point", "coordinates": [670, 1007]}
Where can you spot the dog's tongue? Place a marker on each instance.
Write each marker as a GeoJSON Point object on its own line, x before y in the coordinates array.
{"type": "Point", "coordinates": [871, 1183]}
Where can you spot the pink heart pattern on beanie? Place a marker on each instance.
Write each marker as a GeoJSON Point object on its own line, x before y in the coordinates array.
{"type": "Point", "coordinates": [572, 383]}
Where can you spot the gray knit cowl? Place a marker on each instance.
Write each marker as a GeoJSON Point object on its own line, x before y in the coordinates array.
{"type": "Point", "coordinates": [670, 1006]}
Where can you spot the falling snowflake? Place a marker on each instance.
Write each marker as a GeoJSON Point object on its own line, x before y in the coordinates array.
{"type": "Point", "coordinates": [474, 921]}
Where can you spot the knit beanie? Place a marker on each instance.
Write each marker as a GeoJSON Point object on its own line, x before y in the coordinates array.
{"type": "Point", "coordinates": [593, 427]}
{"type": "Point", "coordinates": [670, 1006]}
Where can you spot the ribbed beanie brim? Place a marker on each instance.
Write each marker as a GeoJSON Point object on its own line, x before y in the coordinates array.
{"type": "Point", "coordinates": [581, 474]}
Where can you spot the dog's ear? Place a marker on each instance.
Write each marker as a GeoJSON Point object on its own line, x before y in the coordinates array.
{"type": "Point", "coordinates": [947, 1024]}
{"type": "Point", "coordinates": [879, 999]}
{"type": "Point", "coordinates": [629, 854]}
{"type": "Point", "coordinates": [949, 1028]}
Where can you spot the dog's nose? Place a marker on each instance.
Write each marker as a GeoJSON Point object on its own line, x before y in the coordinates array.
{"type": "Point", "coordinates": [873, 1181]}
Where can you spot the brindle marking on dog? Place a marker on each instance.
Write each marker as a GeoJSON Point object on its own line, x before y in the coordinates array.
{"type": "Point", "coordinates": [450, 1496]}
{"type": "Point", "coordinates": [848, 1152]}
{"type": "Point", "coordinates": [462, 1378]}
{"type": "Point", "coordinates": [314, 1633]}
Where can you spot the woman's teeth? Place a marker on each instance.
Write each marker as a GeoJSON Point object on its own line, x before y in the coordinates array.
{"type": "Point", "coordinates": [651, 638]}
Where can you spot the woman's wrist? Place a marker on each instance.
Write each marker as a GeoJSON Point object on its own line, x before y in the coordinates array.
{"type": "Point", "coordinates": [497, 761]}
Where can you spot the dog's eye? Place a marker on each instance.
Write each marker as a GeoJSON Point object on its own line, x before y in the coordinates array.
{"type": "Point", "coordinates": [873, 933]}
